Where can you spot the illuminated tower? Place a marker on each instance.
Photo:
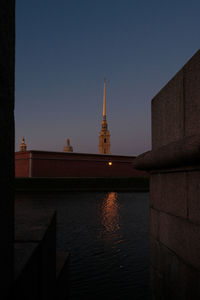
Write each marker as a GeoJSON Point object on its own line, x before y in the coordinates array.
{"type": "Point", "coordinates": [68, 147]}
{"type": "Point", "coordinates": [23, 145]}
{"type": "Point", "coordinates": [104, 135]}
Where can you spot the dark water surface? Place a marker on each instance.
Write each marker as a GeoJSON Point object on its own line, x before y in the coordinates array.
{"type": "Point", "coordinates": [107, 236]}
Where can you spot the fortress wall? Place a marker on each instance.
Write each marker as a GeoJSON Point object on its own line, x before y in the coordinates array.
{"type": "Point", "coordinates": [22, 164]}
{"type": "Point", "coordinates": [174, 165]}
{"type": "Point", "coordinates": [7, 38]}
{"type": "Point", "coordinates": [59, 164]}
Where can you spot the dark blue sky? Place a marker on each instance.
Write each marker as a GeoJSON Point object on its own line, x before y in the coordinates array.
{"type": "Point", "coordinates": [65, 48]}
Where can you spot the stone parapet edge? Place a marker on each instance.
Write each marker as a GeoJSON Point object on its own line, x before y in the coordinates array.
{"type": "Point", "coordinates": [175, 155]}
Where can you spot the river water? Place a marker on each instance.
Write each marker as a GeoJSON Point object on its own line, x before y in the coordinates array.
{"type": "Point", "coordinates": [107, 237]}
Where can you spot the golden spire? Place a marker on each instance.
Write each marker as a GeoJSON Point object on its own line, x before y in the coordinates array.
{"type": "Point", "coordinates": [104, 100]}
{"type": "Point", "coordinates": [104, 135]}
{"type": "Point", "coordinates": [23, 145]}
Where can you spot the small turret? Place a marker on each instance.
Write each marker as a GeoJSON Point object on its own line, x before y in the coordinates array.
{"type": "Point", "coordinates": [23, 145]}
{"type": "Point", "coordinates": [68, 147]}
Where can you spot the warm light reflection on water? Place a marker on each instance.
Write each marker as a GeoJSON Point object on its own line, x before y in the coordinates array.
{"type": "Point", "coordinates": [110, 213]}
{"type": "Point", "coordinates": [107, 237]}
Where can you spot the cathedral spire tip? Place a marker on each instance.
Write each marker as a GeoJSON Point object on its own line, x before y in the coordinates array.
{"type": "Point", "coordinates": [104, 100]}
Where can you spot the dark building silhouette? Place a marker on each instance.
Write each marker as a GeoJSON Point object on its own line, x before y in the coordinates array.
{"type": "Point", "coordinates": [7, 65]}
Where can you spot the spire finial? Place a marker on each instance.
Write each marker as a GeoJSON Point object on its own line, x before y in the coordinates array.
{"type": "Point", "coordinates": [104, 100]}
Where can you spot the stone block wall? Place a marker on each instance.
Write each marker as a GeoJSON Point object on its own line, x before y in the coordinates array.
{"type": "Point", "coordinates": [175, 234]}
{"type": "Point", "coordinates": [174, 166]}
{"type": "Point", "coordinates": [176, 108]}
{"type": "Point", "coordinates": [7, 40]}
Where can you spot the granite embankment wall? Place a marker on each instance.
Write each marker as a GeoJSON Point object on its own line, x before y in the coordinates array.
{"type": "Point", "coordinates": [174, 166]}
{"type": "Point", "coordinates": [7, 39]}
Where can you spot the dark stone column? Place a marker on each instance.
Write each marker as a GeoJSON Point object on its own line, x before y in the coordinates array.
{"type": "Point", "coordinates": [7, 60]}
{"type": "Point", "coordinates": [174, 165]}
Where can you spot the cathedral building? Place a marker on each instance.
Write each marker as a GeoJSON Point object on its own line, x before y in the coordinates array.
{"type": "Point", "coordinates": [43, 164]}
{"type": "Point", "coordinates": [104, 135]}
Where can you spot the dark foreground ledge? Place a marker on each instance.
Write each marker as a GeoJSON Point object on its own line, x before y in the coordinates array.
{"type": "Point", "coordinates": [78, 184]}
{"type": "Point", "coordinates": [185, 152]}
{"type": "Point", "coordinates": [41, 271]}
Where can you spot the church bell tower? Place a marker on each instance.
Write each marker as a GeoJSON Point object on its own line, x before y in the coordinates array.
{"type": "Point", "coordinates": [104, 135]}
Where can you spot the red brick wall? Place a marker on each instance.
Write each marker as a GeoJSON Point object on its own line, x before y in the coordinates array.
{"type": "Point", "coordinates": [59, 164]}
{"type": "Point", "coordinates": [22, 164]}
